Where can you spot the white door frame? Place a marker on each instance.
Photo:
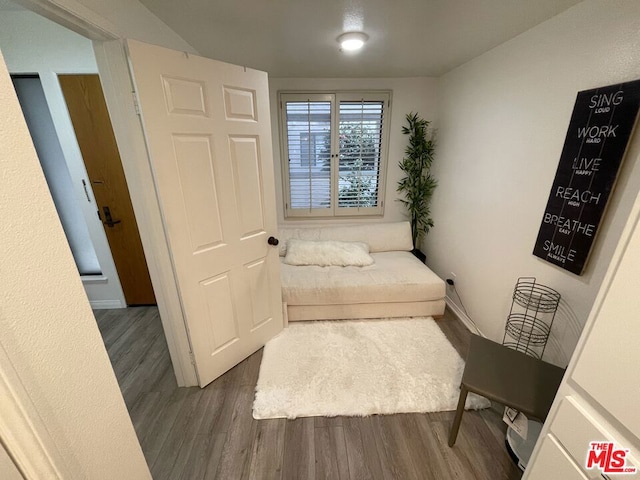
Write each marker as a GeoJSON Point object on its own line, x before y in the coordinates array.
{"type": "Point", "coordinates": [116, 81]}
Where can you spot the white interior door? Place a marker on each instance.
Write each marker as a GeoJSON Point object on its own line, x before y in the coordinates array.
{"type": "Point", "coordinates": [208, 132]}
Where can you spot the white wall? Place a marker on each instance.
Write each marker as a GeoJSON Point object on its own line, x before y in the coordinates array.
{"type": "Point", "coordinates": [599, 391]}
{"type": "Point", "coordinates": [33, 44]}
{"type": "Point", "coordinates": [502, 122]}
{"type": "Point", "coordinates": [132, 19]}
{"type": "Point", "coordinates": [46, 325]}
{"type": "Point", "coordinates": [409, 95]}
{"type": "Point", "coordinates": [118, 18]}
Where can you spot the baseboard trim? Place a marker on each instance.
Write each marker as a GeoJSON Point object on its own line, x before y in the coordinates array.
{"type": "Point", "coordinates": [105, 304]}
{"type": "Point", "coordinates": [463, 317]}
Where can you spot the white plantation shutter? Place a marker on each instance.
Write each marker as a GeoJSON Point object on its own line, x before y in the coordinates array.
{"type": "Point", "coordinates": [361, 143]}
{"type": "Point", "coordinates": [308, 153]}
{"type": "Point", "coordinates": [334, 148]}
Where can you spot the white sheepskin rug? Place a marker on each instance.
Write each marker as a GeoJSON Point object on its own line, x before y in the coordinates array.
{"type": "Point", "coordinates": [359, 368]}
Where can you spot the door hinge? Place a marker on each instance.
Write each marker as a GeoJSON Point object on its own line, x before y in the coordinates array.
{"type": "Point", "coordinates": [192, 357]}
{"type": "Point", "coordinates": [136, 105]}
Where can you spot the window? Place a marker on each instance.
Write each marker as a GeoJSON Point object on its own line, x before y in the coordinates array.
{"type": "Point", "coordinates": [334, 146]}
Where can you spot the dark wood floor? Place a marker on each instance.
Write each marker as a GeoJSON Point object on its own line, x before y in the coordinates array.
{"type": "Point", "coordinates": [193, 433]}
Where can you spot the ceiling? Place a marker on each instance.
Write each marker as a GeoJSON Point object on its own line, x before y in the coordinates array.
{"type": "Point", "coordinates": [297, 38]}
{"type": "Point", "coordinates": [9, 6]}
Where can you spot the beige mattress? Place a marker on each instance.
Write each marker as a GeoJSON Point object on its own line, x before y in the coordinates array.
{"type": "Point", "coordinates": [394, 277]}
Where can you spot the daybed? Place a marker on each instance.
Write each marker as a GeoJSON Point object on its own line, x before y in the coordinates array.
{"type": "Point", "coordinates": [397, 284]}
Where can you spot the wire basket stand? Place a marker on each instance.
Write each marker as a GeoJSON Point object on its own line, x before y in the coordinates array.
{"type": "Point", "coordinates": [530, 319]}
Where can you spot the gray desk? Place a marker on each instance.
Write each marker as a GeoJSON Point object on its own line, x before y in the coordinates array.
{"type": "Point", "coordinates": [512, 378]}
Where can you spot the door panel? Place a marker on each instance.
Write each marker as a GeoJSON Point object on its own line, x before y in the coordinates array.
{"type": "Point", "coordinates": [247, 176]}
{"type": "Point", "coordinates": [198, 190]}
{"type": "Point", "coordinates": [219, 297]}
{"type": "Point", "coordinates": [258, 277]}
{"type": "Point", "coordinates": [92, 126]}
{"type": "Point", "coordinates": [208, 132]}
{"type": "Point", "coordinates": [239, 104]}
{"type": "Point", "coordinates": [184, 97]}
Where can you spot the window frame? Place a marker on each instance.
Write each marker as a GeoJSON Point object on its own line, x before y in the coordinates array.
{"type": "Point", "coordinates": [334, 97]}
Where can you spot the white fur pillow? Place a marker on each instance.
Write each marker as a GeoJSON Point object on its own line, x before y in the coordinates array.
{"type": "Point", "coordinates": [326, 253]}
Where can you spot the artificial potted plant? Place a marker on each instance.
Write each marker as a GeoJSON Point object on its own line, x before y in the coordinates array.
{"type": "Point", "coordinates": [418, 185]}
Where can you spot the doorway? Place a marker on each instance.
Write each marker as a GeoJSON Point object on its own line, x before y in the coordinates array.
{"type": "Point", "coordinates": [36, 52]}
{"type": "Point", "coordinates": [66, 115]}
{"type": "Point", "coordinates": [79, 155]}
{"type": "Point", "coordinates": [97, 48]}
{"type": "Point", "coordinates": [106, 182]}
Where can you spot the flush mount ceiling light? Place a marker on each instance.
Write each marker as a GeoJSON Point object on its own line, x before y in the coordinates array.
{"type": "Point", "coordinates": [352, 41]}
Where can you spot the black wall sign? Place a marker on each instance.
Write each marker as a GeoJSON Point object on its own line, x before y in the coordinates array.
{"type": "Point", "coordinates": [599, 131]}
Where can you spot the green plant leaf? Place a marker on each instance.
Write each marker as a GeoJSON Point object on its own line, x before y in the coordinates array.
{"type": "Point", "coordinates": [418, 185]}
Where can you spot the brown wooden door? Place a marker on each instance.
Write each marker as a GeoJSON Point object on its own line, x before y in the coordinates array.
{"type": "Point", "coordinates": [92, 125]}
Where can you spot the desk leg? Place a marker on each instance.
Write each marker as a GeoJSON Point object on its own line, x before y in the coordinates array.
{"type": "Point", "coordinates": [458, 418]}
